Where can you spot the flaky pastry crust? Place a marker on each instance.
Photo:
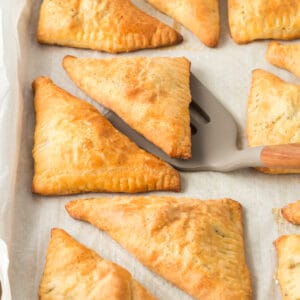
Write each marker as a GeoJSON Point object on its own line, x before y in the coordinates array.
{"type": "Point", "coordinates": [77, 150]}
{"type": "Point", "coordinates": [291, 212]}
{"type": "Point", "coordinates": [151, 94]}
{"type": "Point", "coordinates": [263, 19]}
{"type": "Point", "coordinates": [288, 273]}
{"type": "Point", "coordinates": [285, 56]}
{"type": "Point", "coordinates": [73, 271]}
{"type": "Point", "coordinates": [273, 117]}
{"type": "Point", "coordinates": [196, 245]}
{"type": "Point", "coordinates": [199, 16]}
{"type": "Point", "coordinates": [106, 25]}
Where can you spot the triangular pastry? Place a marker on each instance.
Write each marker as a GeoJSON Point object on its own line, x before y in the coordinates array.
{"type": "Point", "coordinates": [288, 273]}
{"type": "Point", "coordinates": [263, 19]}
{"type": "Point", "coordinates": [75, 272]}
{"type": "Point", "coordinates": [285, 56]}
{"type": "Point", "coordinates": [273, 116]}
{"type": "Point", "coordinates": [106, 25]}
{"type": "Point", "coordinates": [291, 212]}
{"type": "Point", "coordinates": [151, 94]}
{"type": "Point", "coordinates": [199, 16]}
{"type": "Point", "coordinates": [77, 150]}
{"type": "Point", "coordinates": [197, 245]}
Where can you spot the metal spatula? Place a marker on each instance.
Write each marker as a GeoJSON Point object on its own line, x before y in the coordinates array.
{"type": "Point", "coordinates": [214, 139]}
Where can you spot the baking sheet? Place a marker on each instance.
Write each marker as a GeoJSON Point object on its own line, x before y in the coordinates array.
{"type": "Point", "coordinates": [26, 219]}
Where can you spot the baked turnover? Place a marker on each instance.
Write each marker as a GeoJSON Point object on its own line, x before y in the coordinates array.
{"type": "Point", "coordinates": [151, 94]}
{"type": "Point", "coordinates": [106, 25]}
{"type": "Point", "coordinates": [199, 16]}
{"type": "Point", "coordinates": [197, 245]}
{"type": "Point", "coordinates": [264, 19]}
{"type": "Point", "coordinates": [273, 116]}
{"type": "Point", "coordinates": [288, 273]}
{"type": "Point", "coordinates": [291, 212]}
{"type": "Point", "coordinates": [75, 272]}
{"type": "Point", "coordinates": [285, 56]}
{"type": "Point", "coordinates": [77, 150]}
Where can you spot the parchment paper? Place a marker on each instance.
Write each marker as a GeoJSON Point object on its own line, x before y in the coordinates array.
{"type": "Point", "coordinates": [26, 219]}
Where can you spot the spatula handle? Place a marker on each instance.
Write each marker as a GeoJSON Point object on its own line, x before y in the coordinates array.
{"type": "Point", "coordinates": [281, 156]}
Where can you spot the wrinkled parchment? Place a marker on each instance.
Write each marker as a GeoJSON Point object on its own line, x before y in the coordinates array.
{"type": "Point", "coordinates": [26, 219]}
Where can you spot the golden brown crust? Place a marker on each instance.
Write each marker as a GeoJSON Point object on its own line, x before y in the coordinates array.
{"type": "Point", "coordinates": [77, 150]}
{"type": "Point", "coordinates": [288, 273]}
{"type": "Point", "coordinates": [151, 94]}
{"type": "Point", "coordinates": [263, 19]}
{"type": "Point", "coordinates": [291, 212]}
{"type": "Point", "coordinates": [272, 116]}
{"type": "Point", "coordinates": [75, 272]}
{"type": "Point", "coordinates": [197, 245]}
{"type": "Point", "coordinates": [199, 16]}
{"type": "Point", "coordinates": [285, 56]}
{"type": "Point", "coordinates": [106, 25]}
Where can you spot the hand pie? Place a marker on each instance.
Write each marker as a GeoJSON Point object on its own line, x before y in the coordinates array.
{"type": "Point", "coordinates": [285, 56]}
{"type": "Point", "coordinates": [77, 150]}
{"type": "Point", "coordinates": [75, 272]}
{"type": "Point", "coordinates": [196, 245]}
{"type": "Point", "coordinates": [292, 212]}
{"type": "Point", "coordinates": [288, 273]}
{"type": "Point", "coordinates": [151, 94]}
{"type": "Point", "coordinates": [199, 16]}
{"type": "Point", "coordinates": [111, 26]}
{"type": "Point", "coordinates": [263, 19]}
{"type": "Point", "coordinates": [273, 116]}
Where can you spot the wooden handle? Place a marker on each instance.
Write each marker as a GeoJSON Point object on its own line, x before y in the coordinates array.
{"type": "Point", "coordinates": [281, 156]}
